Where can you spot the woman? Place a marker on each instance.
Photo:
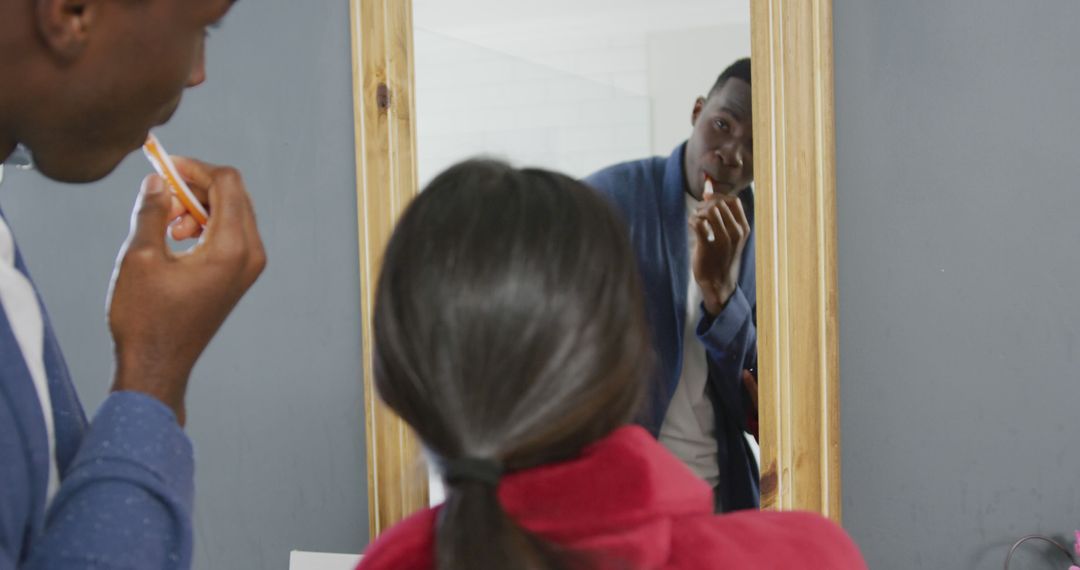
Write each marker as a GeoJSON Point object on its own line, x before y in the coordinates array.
{"type": "Point", "coordinates": [509, 334]}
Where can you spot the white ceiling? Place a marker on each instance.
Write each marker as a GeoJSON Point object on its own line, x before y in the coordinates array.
{"type": "Point", "coordinates": [479, 18]}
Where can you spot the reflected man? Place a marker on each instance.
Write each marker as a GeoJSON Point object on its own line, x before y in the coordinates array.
{"type": "Point", "coordinates": [690, 217]}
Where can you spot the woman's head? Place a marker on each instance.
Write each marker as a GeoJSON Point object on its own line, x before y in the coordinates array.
{"type": "Point", "coordinates": [508, 326]}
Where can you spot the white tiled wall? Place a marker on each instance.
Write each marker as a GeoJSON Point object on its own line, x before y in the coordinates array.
{"type": "Point", "coordinates": [573, 106]}
{"type": "Point", "coordinates": [683, 65]}
{"type": "Point", "coordinates": [569, 100]}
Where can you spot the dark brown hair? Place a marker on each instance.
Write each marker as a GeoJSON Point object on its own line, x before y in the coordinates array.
{"type": "Point", "coordinates": [738, 70]}
{"type": "Point", "coordinates": [508, 327]}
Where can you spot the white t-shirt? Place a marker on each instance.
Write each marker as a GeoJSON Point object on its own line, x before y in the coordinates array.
{"type": "Point", "coordinates": [23, 312]}
{"type": "Point", "coordinates": [689, 429]}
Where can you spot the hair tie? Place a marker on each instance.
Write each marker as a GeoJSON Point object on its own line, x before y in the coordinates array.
{"type": "Point", "coordinates": [487, 471]}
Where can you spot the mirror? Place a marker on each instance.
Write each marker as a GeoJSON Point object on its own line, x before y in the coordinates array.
{"type": "Point", "coordinates": [610, 92]}
{"type": "Point", "coordinates": [794, 187]}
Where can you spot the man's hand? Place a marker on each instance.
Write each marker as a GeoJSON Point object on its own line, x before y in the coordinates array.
{"type": "Point", "coordinates": [751, 386]}
{"type": "Point", "coordinates": [164, 307]}
{"type": "Point", "coordinates": [750, 383]}
{"type": "Point", "coordinates": [722, 230]}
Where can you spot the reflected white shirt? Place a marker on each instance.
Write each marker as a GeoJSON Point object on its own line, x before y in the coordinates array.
{"type": "Point", "coordinates": [689, 428]}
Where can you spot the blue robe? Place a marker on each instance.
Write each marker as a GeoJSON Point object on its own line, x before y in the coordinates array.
{"type": "Point", "coordinates": [126, 478]}
{"type": "Point", "coordinates": [650, 195]}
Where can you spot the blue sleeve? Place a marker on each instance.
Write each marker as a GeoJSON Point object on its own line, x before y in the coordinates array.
{"type": "Point", "coordinates": [730, 341]}
{"type": "Point", "coordinates": [618, 182]}
{"type": "Point", "coordinates": [126, 500]}
{"type": "Point", "coordinates": [603, 183]}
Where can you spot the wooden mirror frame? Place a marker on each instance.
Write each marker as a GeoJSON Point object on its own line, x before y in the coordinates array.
{"type": "Point", "coordinates": [791, 46]}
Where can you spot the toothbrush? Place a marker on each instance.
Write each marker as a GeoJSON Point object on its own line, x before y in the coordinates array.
{"type": "Point", "coordinates": [165, 167]}
{"type": "Point", "coordinates": [708, 194]}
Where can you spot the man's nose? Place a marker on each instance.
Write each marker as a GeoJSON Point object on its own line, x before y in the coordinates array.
{"type": "Point", "coordinates": [730, 156]}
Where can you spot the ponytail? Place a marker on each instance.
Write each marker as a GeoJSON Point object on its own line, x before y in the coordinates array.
{"type": "Point", "coordinates": [508, 324]}
{"type": "Point", "coordinates": [474, 533]}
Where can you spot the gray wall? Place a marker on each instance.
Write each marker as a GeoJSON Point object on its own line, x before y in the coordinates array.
{"type": "Point", "coordinates": [275, 408]}
{"type": "Point", "coordinates": [959, 248]}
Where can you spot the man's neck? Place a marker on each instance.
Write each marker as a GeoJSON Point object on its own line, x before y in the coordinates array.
{"type": "Point", "coordinates": [8, 102]}
{"type": "Point", "coordinates": [5, 150]}
{"type": "Point", "coordinates": [16, 30]}
{"type": "Point", "coordinates": [8, 141]}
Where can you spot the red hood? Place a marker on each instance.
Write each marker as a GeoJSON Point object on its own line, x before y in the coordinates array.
{"type": "Point", "coordinates": [619, 496]}
{"type": "Point", "coordinates": [630, 499]}
{"type": "Point", "coordinates": [621, 493]}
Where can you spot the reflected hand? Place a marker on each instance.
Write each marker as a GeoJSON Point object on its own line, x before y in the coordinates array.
{"type": "Point", "coordinates": [722, 231]}
{"type": "Point", "coordinates": [750, 383]}
{"type": "Point", "coordinates": [751, 386]}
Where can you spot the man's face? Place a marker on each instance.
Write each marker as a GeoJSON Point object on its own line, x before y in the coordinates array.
{"type": "Point", "coordinates": [138, 58]}
{"type": "Point", "coordinates": [722, 143]}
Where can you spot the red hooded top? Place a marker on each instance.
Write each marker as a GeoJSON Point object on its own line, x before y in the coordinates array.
{"type": "Point", "coordinates": [627, 498]}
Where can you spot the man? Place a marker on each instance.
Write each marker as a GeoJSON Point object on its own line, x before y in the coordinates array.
{"type": "Point", "coordinates": [85, 80]}
{"type": "Point", "coordinates": [696, 255]}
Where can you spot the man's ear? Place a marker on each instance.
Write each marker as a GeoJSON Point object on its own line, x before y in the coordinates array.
{"type": "Point", "coordinates": [698, 106]}
{"type": "Point", "coordinates": [65, 25]}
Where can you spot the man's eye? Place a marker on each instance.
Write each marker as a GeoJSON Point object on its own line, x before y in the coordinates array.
{"type": "Point", "coordinates": [722, 125]}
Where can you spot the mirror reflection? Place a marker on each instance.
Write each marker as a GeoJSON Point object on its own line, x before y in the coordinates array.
{"type": "Point", "coordinates": [652, 109]}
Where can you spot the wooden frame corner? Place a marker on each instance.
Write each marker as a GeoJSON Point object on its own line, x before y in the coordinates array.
{"type": "Point", "coordinates": [384, 111]}
{"type": "Point", "coordinates": [796, 253]}
{"type": "Point", "coordinates": [796, 245]}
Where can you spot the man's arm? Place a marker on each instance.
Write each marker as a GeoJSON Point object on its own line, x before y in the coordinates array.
{"type": "Point", "coordinates": [126, 500]}
{"type": "Point", "coordinates": [727, 326]}
{"type": "Point", "coordinates": [730, 341]}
